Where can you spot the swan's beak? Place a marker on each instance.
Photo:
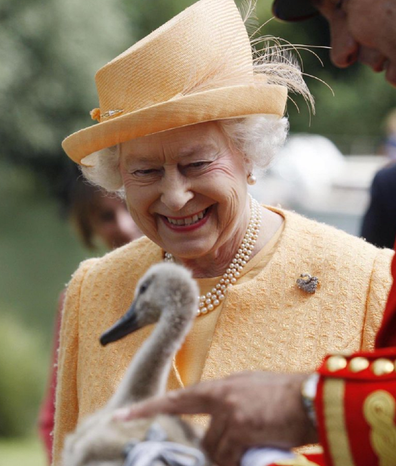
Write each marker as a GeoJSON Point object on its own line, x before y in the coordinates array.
{"type": "Point", "coordinates": [123, 327]}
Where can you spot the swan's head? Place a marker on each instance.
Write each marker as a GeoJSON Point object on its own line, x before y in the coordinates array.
{"type": "Point", "coordinates": [166, 290]}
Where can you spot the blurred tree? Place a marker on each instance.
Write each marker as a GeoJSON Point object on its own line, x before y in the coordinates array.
{"type": "Point", "coordinates": [146, 16]}
{"type": "Point", "coordinates": [22, 376]}
{"type": "Point", "coordinates": [50, 51]}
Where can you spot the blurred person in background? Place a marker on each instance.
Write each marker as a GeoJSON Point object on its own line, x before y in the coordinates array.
{"type": "Point", "coordinates": [379, 221]}
{"type": "Point", "coordinates": [100, 220]}
{"type": "Point", "coordinates": [183, 145]}
{"type": "Point", "coordinates": [350, 401]}
{"type": "Point", "coordinates": [388, 146]}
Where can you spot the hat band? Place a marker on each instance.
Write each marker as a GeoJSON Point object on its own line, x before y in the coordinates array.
{"type": "Point", "coordinates": [96, 115]}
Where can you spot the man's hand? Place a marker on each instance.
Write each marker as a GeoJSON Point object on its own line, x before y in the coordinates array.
{"type": "Point", "coordinates": [247, 409]}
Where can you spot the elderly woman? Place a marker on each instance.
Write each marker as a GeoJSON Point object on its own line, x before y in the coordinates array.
{"type": "Point", "coordinates": [186, 116]}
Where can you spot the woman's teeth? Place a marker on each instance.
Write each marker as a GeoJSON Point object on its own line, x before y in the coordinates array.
{"type": "Point", "coordinates": [188, 220]}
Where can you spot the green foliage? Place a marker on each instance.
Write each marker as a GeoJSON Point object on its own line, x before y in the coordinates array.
{"type": "Point", "coordinates": [146, 16]}
{"type": "Point", "coordinates": [21, 381]}
{"type": "Point", "coordinates": [38, 250]}
{"type": "Point", "coordinates": [38, 253]}
{"type": "Point", "coordinates": [50, 52]}
{"type": "Point", "coordinates": [18, 452]}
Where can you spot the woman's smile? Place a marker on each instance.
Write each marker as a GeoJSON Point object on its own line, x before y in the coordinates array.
{"type": "Point", "coordinates": [189, 223]}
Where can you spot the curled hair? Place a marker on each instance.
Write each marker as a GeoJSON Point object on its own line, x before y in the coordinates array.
{"type": "Point", "coordinates": [102, 168]}
{"type": "Point", "coordinates": [257, 137]}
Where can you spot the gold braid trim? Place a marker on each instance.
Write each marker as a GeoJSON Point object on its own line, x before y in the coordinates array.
{"type": "Point", "coordinates": [300, 460]}
{"type": "Point", "coordinates": [379, 411]}
{"type": "Point", "coordinates": [334, 417]}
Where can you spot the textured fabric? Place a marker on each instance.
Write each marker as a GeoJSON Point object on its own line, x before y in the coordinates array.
{"type": "Point", "coordinates": [267, 323]}
{"type": "Point", "coordinates": [386, 336]}
{"type": "Point", "coordinates": [190, 362]}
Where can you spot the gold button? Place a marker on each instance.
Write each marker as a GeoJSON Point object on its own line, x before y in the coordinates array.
{"type": "Point", "coordinates": [382, 367]}
{"type": "Point", "coordinates": [358, 364]}
{"type": "Point", "coordinates": [336, 363]}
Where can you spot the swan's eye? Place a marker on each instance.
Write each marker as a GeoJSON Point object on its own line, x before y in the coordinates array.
{"type": "Point", "coordinates": [144, 287]}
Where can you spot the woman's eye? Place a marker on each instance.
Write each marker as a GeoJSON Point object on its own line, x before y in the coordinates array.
{"type": "Point", "coordinates": [339, 4]}
{"type": "Point", "coordinates": [197, 164]}
{"type": "Point", "coordinates": [150, 171]}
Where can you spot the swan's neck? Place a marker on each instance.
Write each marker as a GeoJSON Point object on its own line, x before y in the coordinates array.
{"type": "Point", "coordinates": [148, 372]}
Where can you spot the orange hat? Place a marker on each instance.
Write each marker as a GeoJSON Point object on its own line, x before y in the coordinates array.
{"type": "Point", "coordinates": [197, 67]}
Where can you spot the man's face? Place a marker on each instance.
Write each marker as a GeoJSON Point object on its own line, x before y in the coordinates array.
{"type": "Point", "coordinates": [364, 31]}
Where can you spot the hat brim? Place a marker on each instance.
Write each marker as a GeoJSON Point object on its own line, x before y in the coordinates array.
{"type": "Point", "coordinates": [214, 104]}
{"type": "Point", "coordinates": [293, 10]}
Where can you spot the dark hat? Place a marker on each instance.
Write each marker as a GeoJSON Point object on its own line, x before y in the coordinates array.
{"type": "Point", "coordinates": [293, 10]}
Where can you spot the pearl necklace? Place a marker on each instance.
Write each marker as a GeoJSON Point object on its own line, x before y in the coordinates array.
{"type": "Point", "coordinates": [209, 301]}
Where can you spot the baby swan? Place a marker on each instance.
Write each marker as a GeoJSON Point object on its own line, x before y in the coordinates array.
{"type": "Point", "coordinates": [166, 295]}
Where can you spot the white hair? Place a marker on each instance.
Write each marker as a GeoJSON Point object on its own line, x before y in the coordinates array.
{"type": "Point", "coordinates": [257, 137]}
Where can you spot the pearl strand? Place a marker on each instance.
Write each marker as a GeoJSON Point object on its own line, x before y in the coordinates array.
{"type": "Point", "coordinates": [213, 298]}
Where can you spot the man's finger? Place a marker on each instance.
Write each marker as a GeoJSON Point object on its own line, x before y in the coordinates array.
{"type": "Point", "coordinates": [214, 433]}
{"type": "Point", "coordinates": [229, 450]}
{"type": "Point", "coordinates": [194, 400]}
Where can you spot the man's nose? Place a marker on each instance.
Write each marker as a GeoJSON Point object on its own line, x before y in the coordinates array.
{"type": "Point", "coordinates": [344, 48]}
{"type": "Point", "coordinates": [175, 191]}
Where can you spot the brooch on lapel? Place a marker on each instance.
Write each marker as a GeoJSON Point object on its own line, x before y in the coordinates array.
{"type": "Point", "coordinates": [307, 283]}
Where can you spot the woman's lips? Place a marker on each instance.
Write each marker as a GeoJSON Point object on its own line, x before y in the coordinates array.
{"type": "Point", "coordinates": [183, 224]}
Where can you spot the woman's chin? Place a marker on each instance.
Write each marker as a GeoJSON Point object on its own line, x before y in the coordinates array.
{"type": "Point", "coordinates": [189, 251]}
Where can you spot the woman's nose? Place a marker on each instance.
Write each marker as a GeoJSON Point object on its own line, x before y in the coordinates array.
{"type": "Point", "coordinates": [175, 192]}
{"type": "Point", "coordinates": [344, 48]}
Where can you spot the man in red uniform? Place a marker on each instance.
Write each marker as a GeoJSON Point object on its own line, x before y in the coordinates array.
{"type": "Point", "coordinates": [349, 405]}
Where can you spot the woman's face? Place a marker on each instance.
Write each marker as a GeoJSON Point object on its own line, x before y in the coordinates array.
{"type": "Point", "coordinates": [112, 223]}
{"type": "Point", "coordinates": [186, 190]}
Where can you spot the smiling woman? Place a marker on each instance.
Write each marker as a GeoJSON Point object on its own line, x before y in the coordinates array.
{"type": "Point", "coordinates": [182, 147]}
